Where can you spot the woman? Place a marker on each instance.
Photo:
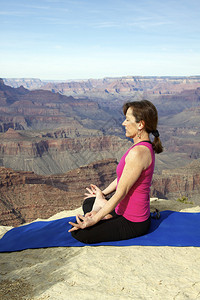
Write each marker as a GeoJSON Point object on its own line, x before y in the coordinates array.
{"type": "Point", "coordinates": [127, 213]}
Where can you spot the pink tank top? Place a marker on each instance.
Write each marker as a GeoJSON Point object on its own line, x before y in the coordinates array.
{"type": "Point", "coordinates": [135, 206]}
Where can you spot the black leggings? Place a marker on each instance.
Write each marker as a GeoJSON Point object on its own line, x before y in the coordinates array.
{"type": "Point", "coordinates": [114, 229]}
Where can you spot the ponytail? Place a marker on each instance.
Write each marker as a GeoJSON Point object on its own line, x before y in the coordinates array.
{"type": "Point", "coordinates": [157, 145]}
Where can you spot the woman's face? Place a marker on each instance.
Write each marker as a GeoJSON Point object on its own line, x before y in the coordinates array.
{"type": "Point", "coordinates": [130, 124]}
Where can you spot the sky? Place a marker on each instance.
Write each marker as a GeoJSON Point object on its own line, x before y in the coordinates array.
{"type": "Point", "coordinates": [82, 39]}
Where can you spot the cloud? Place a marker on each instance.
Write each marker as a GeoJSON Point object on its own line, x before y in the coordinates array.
{"type": "Point", "coordinates": [107, 25]}
{"type": "Point", "coordinates": [148, 23]}
{"type": "Point", "coordinates": [40, 7]}
{"type": "Point", "coordinates": [12, 13]}
{"type": "Point", "coordinates": [57, 21]}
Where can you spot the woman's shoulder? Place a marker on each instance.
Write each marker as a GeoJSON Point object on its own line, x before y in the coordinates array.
{"type": "Point", "coordinates": [142, 148]}
{"type": "Point", "coordinates": [138, 150]}
{"type": "Point", "coordinates": [139, 153]}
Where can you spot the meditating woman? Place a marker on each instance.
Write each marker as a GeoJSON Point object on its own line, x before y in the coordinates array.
{"type": "Point", "coordinates": [127, 213]}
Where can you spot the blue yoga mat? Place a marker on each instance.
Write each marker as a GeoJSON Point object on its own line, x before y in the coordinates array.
{"type": "Point", "coordinates": [172, 229]}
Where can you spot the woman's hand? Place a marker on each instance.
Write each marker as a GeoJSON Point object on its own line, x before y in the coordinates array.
{"type": "Point", "coordinates": [91, 214]}
{"type": "Point", "coordinates": [90, 193]}
{"type": "Point", "coordinates": [94, 191]}
{"type": "Point", "coordinates": [82, 222]}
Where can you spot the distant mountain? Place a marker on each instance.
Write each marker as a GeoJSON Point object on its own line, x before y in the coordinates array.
{"type": "Point", "coordinates": [39, 109]}
{"type": "Point", "coordinates": [113, 87]}
{"type": "Point", "coordinates": [8, 95]}
{"type": "Point", "coordinates": [28, 83]}
{"type": "Point", "coordinates": [50, 133]}
{"type": "Point", "coordinates": [171, 94]}
{"type": "Point", "coordinates": [132, 86]}
{"type": "Point", "coordinates": [47, 154]}
{"type": "Point", "coordinates": [59, 132]}
{"type": "Point", "coordinates": [172, 104]}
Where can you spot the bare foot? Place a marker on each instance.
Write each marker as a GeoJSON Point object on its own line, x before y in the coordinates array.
{"type": "Point", "coordinates": [108, 216]}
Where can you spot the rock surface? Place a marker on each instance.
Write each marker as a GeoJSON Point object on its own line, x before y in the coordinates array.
{"type": "Point", "coordinates": [24, 109]}
{"type": "Point", "coordinates": [25, 196]}
{"type": "Point", "coordinates": [113, 85]}
{"type": "Point", "coordinates": [55, 152]}
{"type": "Point", "coordinates": [179, 183]}
{"type": "Point", "coordinates": [46, 117]}
{"type": "Point", "coordinates": [98, 272]}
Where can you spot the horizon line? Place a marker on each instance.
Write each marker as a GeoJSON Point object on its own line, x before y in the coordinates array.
{"type": "Point", "coordinates": [99, 78]}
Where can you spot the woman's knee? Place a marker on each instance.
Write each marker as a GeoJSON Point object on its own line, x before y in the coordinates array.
{"type": "Point", "coordinates": [88, 204]}
{"type": "Point", "coordinates": [82, 236]}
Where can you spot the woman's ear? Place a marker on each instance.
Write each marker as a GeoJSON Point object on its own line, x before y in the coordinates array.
{"type": "Point", "coordinates": [141, 124]}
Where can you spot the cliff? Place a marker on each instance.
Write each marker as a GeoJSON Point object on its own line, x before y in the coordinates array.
{"type": "Point", "coordinates": [25, 196]}
{"type": "Point", "coordinates": [55, 152]}
{"type": "Point", "coordinates": [23, 109]}
{"type": "Point", "coordinates": [56, 133]}
{"type": "Point", "coordinates": [113, 86]}
{"type": "Point", "coordinates": [178, 183]}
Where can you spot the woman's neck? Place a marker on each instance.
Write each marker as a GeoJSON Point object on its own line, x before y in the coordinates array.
{"type": "Point", "coordinates": [137, 139]}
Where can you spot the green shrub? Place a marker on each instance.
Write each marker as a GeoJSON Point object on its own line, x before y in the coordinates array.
{"type": "Point", "coordinates": [184, 200]}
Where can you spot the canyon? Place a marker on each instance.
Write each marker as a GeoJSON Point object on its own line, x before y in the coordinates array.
{"type": "Point", "coordinates": [26, 196]}
{"type": "Point", "coordinates": [111, 86]}
{"type": "Point", "coordinates": [178, 183]}
{"type": "Point", "coordinates": [46, 154]}
{"type": "Point", "coordinates": [54, 141]}
{"type": "Point", "coordinates": [56, 133]}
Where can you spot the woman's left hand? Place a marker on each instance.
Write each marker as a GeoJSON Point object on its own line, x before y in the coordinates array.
{"type": "Point", "coordinates": [82, 222]}
{"type": "Point", "coordinates": [94, 191]}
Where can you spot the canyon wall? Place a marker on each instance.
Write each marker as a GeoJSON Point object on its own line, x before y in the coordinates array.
{"type": "Point", "coordinates": [113, 85]}
{"type": "Point", "coordinates": [178, 183]}
{"type": "Point", "coordinates": [50, 155]}
{"type": "Point", "coordinates": [24, 109]}
{"type": "Point", "coordinates": [50, 133]}
{"type": "Point", "coordinates": [25, 196]}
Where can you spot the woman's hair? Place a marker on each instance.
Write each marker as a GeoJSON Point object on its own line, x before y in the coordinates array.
{"type": "Point", "coordinates": [146, 111]}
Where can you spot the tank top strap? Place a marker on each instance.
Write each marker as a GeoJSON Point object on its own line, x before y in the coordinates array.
{"type": "Point", "coordinates": [148, 144]}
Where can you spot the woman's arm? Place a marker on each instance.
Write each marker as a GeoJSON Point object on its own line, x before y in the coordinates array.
{"type": "Point", "coordinates": [91, 192]}
{"type": "Point", "coordinates": [111, 188]}
{"type": "Point", "coordinates": [136, 161]}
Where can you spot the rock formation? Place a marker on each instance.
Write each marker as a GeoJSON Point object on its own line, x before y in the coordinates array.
{"type": "Point", "coordinates": [55, 152]}
{"type": "Point", "coordinates": [12, 134]}
{"type": "Point", "coordinates": [25, 196]}
{"type": "Point", "coordinates": [27, 83]}
{"type": "Point", "coordinates": [115, 86]}
{"type": "Point", "coordinates": [24, 109]}
{"type": "Point", "coordinates": [55, 133]}
{"type": "Point", "coordinates": [178, 183]}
